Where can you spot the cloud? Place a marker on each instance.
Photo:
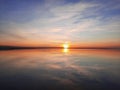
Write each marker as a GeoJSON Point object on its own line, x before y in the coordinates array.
{"type": "Point", "coordinates": [66, 21]}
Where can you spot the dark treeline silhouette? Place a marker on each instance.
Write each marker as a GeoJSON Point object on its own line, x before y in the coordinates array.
{"type": "Point", "coordinates": [19, 47]}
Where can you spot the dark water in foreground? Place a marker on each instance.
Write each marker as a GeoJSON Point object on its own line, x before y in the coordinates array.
{"type": "Point", "coordinates": [60, 70]}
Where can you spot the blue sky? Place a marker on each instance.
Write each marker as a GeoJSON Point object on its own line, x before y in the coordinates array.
{"type": "Point", "coordinates": [52, 22]}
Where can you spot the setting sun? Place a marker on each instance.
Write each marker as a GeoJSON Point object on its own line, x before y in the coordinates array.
{"type": "Point", "coordinates": [65, 45]}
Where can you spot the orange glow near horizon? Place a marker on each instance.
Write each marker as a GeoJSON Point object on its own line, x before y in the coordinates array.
{"type": "Point", "coordinates": [64, 45]}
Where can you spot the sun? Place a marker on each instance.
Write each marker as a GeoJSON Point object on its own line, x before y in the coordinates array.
{"type": "Point", "coordinates": [65, 45]}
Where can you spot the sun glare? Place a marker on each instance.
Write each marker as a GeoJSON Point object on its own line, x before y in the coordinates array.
{"type": "Point", "coordinates": [65, 45]}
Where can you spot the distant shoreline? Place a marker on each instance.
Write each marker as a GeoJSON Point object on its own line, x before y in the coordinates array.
{"type": "Point", "coordinates": [18, 47]}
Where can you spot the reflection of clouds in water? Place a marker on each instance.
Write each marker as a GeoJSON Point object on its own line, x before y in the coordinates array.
{"type": "Point", "coordinates": [71, 69]}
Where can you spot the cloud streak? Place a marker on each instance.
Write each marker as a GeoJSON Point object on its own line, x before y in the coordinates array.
{"type": "Point", "coordinates": [59, 21]}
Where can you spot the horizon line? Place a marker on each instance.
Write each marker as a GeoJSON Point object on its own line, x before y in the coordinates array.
{"type": "Point", "coordinates": [5, 47]}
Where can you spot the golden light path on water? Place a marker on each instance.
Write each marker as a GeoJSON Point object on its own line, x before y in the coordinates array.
{"type": "Point", "coordinates": [65, 50]}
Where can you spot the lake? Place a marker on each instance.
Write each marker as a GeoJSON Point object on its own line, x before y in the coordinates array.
{"type": "Point", "coordinates": [56, 69]}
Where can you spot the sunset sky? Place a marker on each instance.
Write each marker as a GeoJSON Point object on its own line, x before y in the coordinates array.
{"type": "Point", "coordinates": [54, 22]}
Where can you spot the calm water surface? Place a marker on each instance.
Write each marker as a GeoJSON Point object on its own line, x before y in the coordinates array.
{"type": "Point", "coordinates": [60, 69]}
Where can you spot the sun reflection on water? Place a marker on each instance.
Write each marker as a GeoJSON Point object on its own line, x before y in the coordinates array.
{"type": "Point", "coordinates": [65, 50]}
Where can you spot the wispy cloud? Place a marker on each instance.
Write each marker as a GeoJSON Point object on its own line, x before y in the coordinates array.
{"type": "Point", "coordinates": [66, 21]}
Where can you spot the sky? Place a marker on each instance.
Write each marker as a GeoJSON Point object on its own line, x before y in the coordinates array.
{"type": "Point", "coordinates": [54, 22]}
